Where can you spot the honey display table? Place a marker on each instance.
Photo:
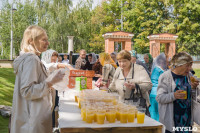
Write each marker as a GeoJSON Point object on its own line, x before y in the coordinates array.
{"type": "Point", "coordinates": [70, 121]}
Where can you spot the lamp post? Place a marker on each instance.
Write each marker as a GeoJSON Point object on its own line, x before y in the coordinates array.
{"type": "Point", "coordinates": [122, 4]}
{"type": "Point", "coordinates": [121, 16]}
{"type": "Point", "coordinates": [11, 32]}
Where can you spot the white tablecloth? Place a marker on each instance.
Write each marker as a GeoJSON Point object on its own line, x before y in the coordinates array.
{"type": "Point", "coordinates": [70, 116]}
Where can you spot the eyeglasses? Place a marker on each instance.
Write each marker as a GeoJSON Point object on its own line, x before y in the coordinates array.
{"type": "Point", "coordinates": [45, 40]}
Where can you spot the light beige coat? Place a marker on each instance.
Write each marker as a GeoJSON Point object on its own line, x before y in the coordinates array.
{"type": "Point", "coordinates": [31, 110]}
{"type": "Point", "coordinates": [108, 72]}
{"type": "Point", "coordinates": [140, 77]}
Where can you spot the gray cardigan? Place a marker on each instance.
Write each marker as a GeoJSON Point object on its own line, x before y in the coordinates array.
{"type": "Point", "coordinates": [165, 98]}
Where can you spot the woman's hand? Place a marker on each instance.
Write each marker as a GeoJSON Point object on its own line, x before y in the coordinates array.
{"type": "Point", "coordinates": [194, 84]}
{"type": "Point", "coordinates": [129, 85]}
{"type": "Point", "coordinates": [179, 94]}
{"type": "Point", "coordinates": [98, 75]}
{"type": "Point", "coordinates": [51, 89]}
{"type": "Point", "coordinates": [63, 65]}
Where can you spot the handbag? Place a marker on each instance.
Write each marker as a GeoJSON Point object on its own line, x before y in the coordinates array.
{"type": "Point", "coordinates": [196, 108]}
{"type": "Point", "coordinates": [138, 96]}
{"type": "Point", "coordinates": [142, 100]}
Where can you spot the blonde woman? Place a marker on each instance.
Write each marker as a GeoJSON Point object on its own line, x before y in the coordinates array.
{"type": "Point", "coordinates": [126, 77]}
{"type": "Point", "coordinates": [108, 69]}
{"type": "Point", "coordinates": [31, 108]}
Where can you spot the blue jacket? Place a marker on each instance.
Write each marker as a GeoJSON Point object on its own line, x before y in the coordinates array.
{"type": "Point", "coordinates": [157, 71]}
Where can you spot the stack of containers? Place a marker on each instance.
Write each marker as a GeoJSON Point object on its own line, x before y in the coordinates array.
{"type": "Point", "coordinates": [101, 107]}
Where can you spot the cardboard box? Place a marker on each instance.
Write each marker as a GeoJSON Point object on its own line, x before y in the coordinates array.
{"type": "Point", "coordinates": [90, 73]}
{"type": "Point", "coordinates": [84, 73]}
{"type": "Point", "coordinates": [72, 83]}
{"type": "Point", "coordinates": [81, 83]}
{"type": "Point", "coordinates": [89, 83]}
{"type": "Point", "coordinates": [77, 73]}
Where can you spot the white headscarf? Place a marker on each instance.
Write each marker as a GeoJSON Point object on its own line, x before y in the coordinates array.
{"type": "Point", "coordinates": [160, 61]}
{"type": "Point", "coordinates": [46, 56]}
{"type": "Point", "coordinates": [114, 53]}
{"type": "Point", "coordinates": [94, 58]}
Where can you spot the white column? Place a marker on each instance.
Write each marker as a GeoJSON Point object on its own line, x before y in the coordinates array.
{"type": "Point", "coordinates": [70, 44]}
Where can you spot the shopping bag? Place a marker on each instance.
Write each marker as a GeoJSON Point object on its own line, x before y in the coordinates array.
{"type": "Point", "coordinates": [196, 107]}
{"type": "Point", "coordinates": [98, 83]}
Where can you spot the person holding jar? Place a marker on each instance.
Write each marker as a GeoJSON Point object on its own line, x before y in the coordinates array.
{"type": "Point", "coordinates": [174, 94]}
{"type": "Point", "coordinates": [126, 77]}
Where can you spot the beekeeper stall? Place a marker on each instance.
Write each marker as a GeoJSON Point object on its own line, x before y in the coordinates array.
{"type": "Point", "coordinates": [70, 120]}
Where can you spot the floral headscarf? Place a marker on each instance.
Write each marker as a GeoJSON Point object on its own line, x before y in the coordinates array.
{"type": "Point", "coordinates": [133, 53]}
{"type": "Point", "coordinates": [105, 58]}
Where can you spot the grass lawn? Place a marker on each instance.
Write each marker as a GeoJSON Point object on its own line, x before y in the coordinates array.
{"type": "Point", "coordinates": [7, 81]}
{"type": "Point", "coordinates": [197, 72]}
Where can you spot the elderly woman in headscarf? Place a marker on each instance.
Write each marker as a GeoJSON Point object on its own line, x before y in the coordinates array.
{"type": "Point", "coordinates": [108, 69]}
{"type": "Point", "coordinates": [148, 61]}
{"type": "Point", "coordinates": [174, 94]}
{"type": "Point", "coordinates": [92, 58]}
{"type": "Point", "coordinates": [50, 60]}
{"type": "Point", "coordinates": [97, 68]}
{"type": "Point", "coordinates": [159, 66]}
{"type": "Point", "coordinates": [114, 57]}
{"type": "Point", "coordinates": [135, 60]}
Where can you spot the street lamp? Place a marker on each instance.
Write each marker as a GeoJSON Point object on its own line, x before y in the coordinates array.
{"type": "Point", "coordinates": [11, 32]}
{"type": "Point", "coordinates": [121, 16]}
{"type": "Point", "coordinates": [122, 4]}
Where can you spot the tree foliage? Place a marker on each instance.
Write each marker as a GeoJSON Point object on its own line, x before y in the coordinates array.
{"type": "Point", "coordinates": [141, 17]}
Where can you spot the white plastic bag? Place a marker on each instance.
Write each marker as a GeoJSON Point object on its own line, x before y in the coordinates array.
{"type": "Point", "coordinates": [62, 85]}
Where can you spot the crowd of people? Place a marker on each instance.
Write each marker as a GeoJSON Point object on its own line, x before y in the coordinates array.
{"type": "Point", "coordinates": [165, 84]}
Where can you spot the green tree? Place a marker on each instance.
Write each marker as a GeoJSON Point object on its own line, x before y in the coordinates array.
{"type": "Point", "coordinates": [22, 18]}
{"type": "Point", "coordinates": [187, 23]}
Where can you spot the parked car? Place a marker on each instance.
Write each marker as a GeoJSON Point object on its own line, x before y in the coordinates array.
{"type": "Point", "coordinates": [75, 56]}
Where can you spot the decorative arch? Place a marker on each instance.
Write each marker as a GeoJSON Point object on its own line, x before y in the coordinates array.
{"type": "Point", "coordinates": [117, 36]}
{"type": "Point", "coordinates": [166, 38]}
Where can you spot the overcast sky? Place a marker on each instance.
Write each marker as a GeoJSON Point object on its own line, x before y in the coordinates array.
{"type": "Point", "coordinates": [95, 2]}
